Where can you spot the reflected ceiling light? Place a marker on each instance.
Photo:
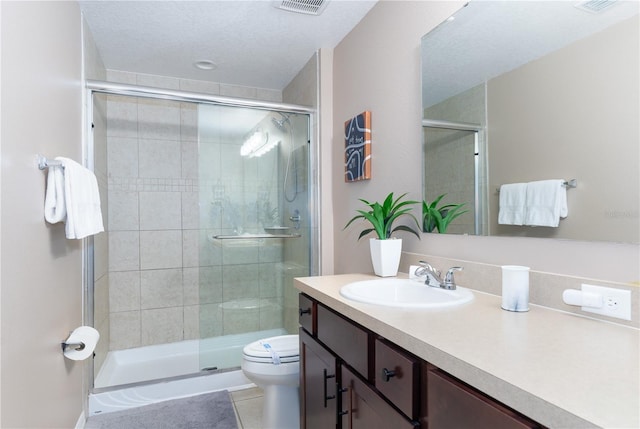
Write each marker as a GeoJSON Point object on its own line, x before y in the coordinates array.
{"type": "Point", "coordinates": [257, 143]}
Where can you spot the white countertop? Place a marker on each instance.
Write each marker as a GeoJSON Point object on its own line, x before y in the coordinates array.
{"type": "Point", "coordinates": [559, 369]}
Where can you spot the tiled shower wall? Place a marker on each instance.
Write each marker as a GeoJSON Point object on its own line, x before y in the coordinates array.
{"type": "Point", "coordinates": [155, 243]}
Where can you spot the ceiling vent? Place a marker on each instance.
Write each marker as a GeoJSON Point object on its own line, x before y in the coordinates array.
{"type": "Point", "coordinates": [595, 6]}
{"type": "Point", "coordinates": [308, 7]}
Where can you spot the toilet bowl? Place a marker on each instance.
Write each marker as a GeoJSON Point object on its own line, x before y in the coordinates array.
{"type": "Point", "coordinates": [274, 365]}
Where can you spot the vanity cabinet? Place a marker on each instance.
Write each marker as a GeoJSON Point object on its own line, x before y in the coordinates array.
{"type": "Point", "coordinates": [351, 378]}
{"type": "Point", "coordinates": [338, 374]}
{"type": "Point", "coordinates": [318, 387]}
{"type": "Point", "coordinates": [453, 404]}
{"type": "Point", "coordinates": [363, 408]}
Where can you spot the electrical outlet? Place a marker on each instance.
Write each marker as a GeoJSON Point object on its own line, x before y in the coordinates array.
{"type": "Point", "coordinates": [615, 302]}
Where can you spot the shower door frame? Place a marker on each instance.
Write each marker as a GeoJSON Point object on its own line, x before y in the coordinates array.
{"type": "Point", "coordinates": [110, 88]}
{"type": "Point", "coordinates": [478, 147]}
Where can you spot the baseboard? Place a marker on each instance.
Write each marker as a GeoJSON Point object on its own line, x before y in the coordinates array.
{"type": "Point", "coordinates": [81, 421]}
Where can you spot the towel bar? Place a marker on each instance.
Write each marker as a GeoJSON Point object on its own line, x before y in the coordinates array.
{"type": "Point", "coordinates": [254, 236]}
{"type": "Point", "coordinates": [573, 183]}
{"type": "Point", "coordinates": [44, 162]}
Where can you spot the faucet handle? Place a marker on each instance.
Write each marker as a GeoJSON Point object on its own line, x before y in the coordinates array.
{"type": "Point", "coordinates": [426, 267]}
{"type": "Point", "coordinates": [449, 281]}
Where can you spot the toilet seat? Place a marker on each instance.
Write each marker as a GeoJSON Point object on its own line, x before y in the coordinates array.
{"type": "Point", "coordinates": [286, 348]}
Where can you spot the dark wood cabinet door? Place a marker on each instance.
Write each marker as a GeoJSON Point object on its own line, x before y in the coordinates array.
{"type": "Point", "coordinates": [454, 405]}
{"type": "Point", "coordinates": [363, 408]}
{"type": "Point", "coordinates": [307, 313]}
{"type": "Point", "coordinates": [318, 385]}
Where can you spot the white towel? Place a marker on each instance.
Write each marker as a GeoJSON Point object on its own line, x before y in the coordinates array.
{"type": "Point", "coordinates": [55, 208]}
{"type": "Point", "coordinates": [546, 203]}
{"type": "Point", "coordinates": [82, 200]}
{"type": "Point", "coordinates": [512, 204]}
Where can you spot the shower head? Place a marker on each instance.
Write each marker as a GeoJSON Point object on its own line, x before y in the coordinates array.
{"type": "Point", "coordinates": [279, 123]}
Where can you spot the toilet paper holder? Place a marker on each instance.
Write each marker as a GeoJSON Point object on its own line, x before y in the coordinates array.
{"type": "Point", "coordinates": [77, 346]}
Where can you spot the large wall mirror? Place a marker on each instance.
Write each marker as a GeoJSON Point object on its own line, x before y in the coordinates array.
{"type": "Point", "coordinates": [517, 92]}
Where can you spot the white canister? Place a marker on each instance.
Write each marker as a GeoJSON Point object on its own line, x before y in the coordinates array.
{"type": "Point", "coordinates": [515, 288]}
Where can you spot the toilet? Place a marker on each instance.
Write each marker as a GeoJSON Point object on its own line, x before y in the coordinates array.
{"type": "Point", "coordinates": [274, 365]}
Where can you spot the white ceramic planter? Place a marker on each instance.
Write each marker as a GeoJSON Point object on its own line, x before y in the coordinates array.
{"type": "Point", "coordinates": [385, 256]}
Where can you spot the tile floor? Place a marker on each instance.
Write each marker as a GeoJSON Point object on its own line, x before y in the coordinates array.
{"type": "Point", "coordinates": [248, 406]}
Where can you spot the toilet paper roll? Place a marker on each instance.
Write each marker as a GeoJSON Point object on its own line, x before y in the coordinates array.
{"type": "Point", "coordinates": [85, 335]}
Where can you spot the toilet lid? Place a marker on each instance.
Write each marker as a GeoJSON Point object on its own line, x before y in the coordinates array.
{"type": "Point", "coordinates": [286, 348]}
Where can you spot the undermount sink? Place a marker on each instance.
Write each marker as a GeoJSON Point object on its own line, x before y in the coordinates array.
{"type": "Point", "coordinates": [404, 293]}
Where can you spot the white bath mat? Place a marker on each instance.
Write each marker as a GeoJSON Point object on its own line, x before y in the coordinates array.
{"type": "Point", "coordinates": [210, 411]}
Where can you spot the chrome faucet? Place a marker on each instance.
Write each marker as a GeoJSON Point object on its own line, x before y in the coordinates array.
{"type": "Point", "coordinates": [432, 276]}
{"type": "Point", "coordinates": [449, 281]}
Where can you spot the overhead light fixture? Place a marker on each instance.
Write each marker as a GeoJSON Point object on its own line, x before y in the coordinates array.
{"type": "Point", "coordinates": [257, 143]}
{"type": "Point", "coordinates": [205, 65]}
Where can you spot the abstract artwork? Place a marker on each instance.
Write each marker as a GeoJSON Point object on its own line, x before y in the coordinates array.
{"type": "Point", "coordinates": [357, 148]}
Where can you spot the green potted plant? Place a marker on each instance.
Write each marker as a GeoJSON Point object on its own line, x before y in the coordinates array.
{"type": "Point", "coordinates": [434, 217]}
{"type": "Point", "coordinates": [386, 250]}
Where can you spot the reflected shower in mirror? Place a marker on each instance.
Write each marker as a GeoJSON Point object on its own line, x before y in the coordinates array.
{"type": "Point", "coordinates": [552, 90]}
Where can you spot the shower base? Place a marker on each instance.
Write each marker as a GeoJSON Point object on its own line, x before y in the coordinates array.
{"type": "Point", "coordinates": [145, 375]}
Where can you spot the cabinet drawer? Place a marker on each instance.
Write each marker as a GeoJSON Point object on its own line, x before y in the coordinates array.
{"type": "Point", "coordinates": [453, 404]}
{"type": "Point", "coordinates": [344, 338]}
{"type": "Point", "coordinates": [306, 313]}
{"type": "Point", "coordinates": [362, 408]}
{"type": "Point", "coordinates": [397, 376]}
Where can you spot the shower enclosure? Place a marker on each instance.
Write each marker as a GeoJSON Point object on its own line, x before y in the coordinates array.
{"type": "Point", "coordinates": [209, 212]}
{"type": "Point", "coordinates": [453, 162]}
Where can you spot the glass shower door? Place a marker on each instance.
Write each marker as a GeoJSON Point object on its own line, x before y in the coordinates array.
{"type": "Point", "coordinates": [451, 168]}
{"type": "Point", "coordinates": [253, 227]}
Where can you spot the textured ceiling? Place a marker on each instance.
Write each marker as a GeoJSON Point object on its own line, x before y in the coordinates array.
{"type": "Point", "coordinates": [251, 42]}
{"type": "Point", "coordinates": [488, 38]}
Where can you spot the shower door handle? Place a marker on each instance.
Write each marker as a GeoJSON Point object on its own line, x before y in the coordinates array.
{"type": "Point", "coordinates": [295, 217]}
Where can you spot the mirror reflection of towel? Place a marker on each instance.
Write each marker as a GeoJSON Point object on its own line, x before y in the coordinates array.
{"type": "Point", "coordinates": [512, 204]}
{"type": "Point", "coordinates": [546, 203]}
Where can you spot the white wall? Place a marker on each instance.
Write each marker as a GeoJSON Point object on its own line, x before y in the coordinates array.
{"type": "Point", "coordinates": [41, 269]}
{"type": "Point", "coordinates": [377, 68]}
{"type": "Point", "coordinates": [591, 124]}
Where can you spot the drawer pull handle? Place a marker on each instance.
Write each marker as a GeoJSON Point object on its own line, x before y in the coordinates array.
{"type": "Point", "coordinates": [305, 311]}
{"type": "Point", "coordinates": [386, 374]}
{"type": "Point", "coordinates": [326, 377]}
{"type": "Point", "coordinates": [341, 413]}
